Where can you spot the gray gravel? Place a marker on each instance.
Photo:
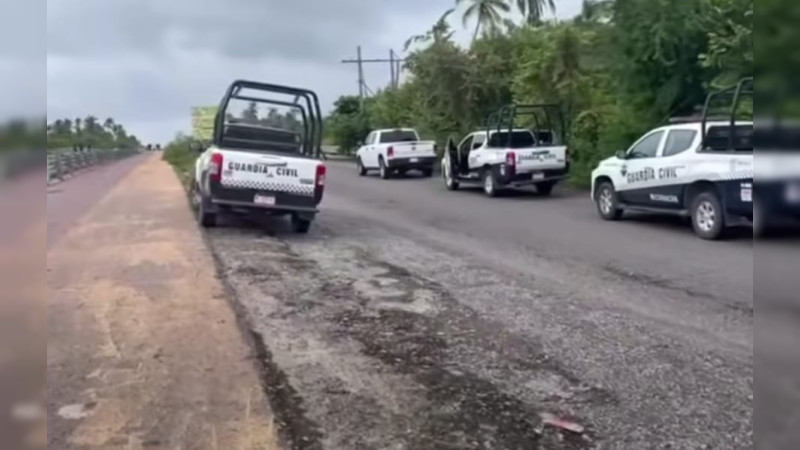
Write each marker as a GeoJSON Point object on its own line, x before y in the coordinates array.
{"type": "Point", "coordinates": [416, 318]}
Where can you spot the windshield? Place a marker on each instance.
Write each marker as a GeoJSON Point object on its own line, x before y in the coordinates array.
{"type": "Point", "coordinates": [519, 139]}
{"type": "Point", "coordinates": [388, 137]}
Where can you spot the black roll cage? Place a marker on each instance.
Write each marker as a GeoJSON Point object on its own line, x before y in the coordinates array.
{"type": "Point", "coordinates": [507, 115]}
{"type": "Point", "coordinates": [742, 89]}
{"type": "Point", "coordinates": [310, 112]}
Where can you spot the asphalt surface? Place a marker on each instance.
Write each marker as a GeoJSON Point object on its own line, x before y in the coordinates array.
{"type": "Point", "coordinates": [416, 318]}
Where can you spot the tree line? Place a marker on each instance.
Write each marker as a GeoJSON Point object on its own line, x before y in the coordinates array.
{"type": "Point", "coordinates": [618, 69]}
{"type": "Point", "coordinates": [20, 134]}
{"type": "Point", "coordinates": [89, 132]}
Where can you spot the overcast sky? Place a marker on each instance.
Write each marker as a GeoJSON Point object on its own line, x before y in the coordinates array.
{"type": "Point", "coordinates": [146, 62]}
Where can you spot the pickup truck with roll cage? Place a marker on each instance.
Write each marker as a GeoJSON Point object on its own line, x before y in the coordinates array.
{"type": "Point", "coordinates": [396, 150]}
{"type": "Point", "coordinates": [259, 170]}
{"type": "Point", "coordinates": [502, 156]}
{"type": "Point", "coordinates": [697, 168]}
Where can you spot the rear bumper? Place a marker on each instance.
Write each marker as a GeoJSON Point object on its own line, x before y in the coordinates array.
{"type": "Point", "coordinates": [222, 197]}
{"type": "Point", "coordinates": [422, 162]}
{"type": "Point", "coordinates": [526, 178]}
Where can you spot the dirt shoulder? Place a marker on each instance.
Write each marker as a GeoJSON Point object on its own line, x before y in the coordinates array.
{"type": "Point", "coordinates": [143, 347]}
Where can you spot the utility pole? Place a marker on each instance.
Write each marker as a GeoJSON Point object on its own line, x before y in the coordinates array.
{"type": "Point", "coordinates": [394, 68]}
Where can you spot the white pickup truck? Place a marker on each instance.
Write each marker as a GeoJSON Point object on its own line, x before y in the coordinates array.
{"type": "Point", "coordinates": [497, 160]}
{"type": "Point", "coordinates": [393, 151]}
{"type": "Point", "coordinates": [254, 169]}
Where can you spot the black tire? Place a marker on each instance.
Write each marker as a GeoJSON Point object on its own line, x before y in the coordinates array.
{"type": "Point", "coordinates": [362, 171]}
{"type": "Point", "coordinates": [605, 198]}
{"type": "Point", "coordinates": [300, 225]}
{"type": "Point", "coordinates": [545, 189]}
{"type": "Point", "coordinates": [385, 172]}
{"type": "Point", "coordinates": [489, 183]}
{"type": "Point", "coordinates": [427, 173]}
{"type": "Point", "coordinates": [708, 217]}
{"type": "Point", "coordinates": [204, 218]}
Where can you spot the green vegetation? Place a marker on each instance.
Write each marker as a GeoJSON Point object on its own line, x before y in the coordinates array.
{"type": "Point", "coordinates": [180, 154]}
{"type": "Point", "coordinates": [619, 68]}
{"type": "Point", "coordinates": [22, 135]}
{"type": "Point", "coordinates": [89, 132]}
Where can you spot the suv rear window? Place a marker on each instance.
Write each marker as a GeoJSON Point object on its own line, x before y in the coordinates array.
{"type": "Point", "coordinates": [519, 139]}
{"type": "Point", "coordinates": [388, 137]}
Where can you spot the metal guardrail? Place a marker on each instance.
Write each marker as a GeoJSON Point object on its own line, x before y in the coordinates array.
{"type": "Point", "coordinates": [62, 163]}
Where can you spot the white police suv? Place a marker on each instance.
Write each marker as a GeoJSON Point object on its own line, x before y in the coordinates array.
{"type": "Point", "coordinates": [703, 170]}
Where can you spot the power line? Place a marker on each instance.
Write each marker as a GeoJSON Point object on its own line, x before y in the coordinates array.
{"type": "Point", "coordinates": [394, 62]}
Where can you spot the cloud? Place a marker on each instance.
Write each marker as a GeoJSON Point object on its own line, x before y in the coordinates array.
{"type": "Point", "coordinates": [22, 60]}
{"type": "Point", "coordinates": [147, 62]}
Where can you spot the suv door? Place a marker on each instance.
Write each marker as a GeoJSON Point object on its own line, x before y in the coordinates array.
{"type": "Point", "coordinates": [463, 154]}
{"type": "Point", "coordinates": [639, 171]}
{"type": "Point", "coordinates": [673, 166]}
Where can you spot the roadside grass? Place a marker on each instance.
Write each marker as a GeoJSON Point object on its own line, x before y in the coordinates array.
{"type": "Point", "coordinates": [181, 157]}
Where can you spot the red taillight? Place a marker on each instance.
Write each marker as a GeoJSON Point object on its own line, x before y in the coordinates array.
{"type": "Point", "coordinates": [320, 178]}
{"type": "Point", "coordinates": [511, 159]}
{"type": "Point", "coordinates": [215, 167]}
{"type": "Point", "coordinates": [390, 152]}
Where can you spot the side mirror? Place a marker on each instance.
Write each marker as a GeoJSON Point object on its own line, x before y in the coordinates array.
{"type": "Point", "coordinates": [621, 155]}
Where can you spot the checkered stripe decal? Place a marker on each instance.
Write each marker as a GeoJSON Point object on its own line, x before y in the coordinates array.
{"type": "Point", "coordinates": [296, 189]}
{"type": "Point", "coordinates": [731, 176]}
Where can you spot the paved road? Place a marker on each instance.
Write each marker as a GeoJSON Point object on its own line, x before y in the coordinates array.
{"type": "Point", "coordinates": [412, 317]}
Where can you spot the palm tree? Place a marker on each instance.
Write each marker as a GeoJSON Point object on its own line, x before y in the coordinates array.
{"type": "Point", "coordinates": [488, 14]}
{"type": "Point", "coordinates": [440, 32]}
{"type": "Point", "coordinates": [533, 10]}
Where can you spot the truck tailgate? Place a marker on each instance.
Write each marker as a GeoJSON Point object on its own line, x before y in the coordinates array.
{"type": "Point", "coordinates": [540, 158]}
{"type": "Point", "coordinates": [418, 149]}
{"type": "Point", "coordinates": [268, 172]}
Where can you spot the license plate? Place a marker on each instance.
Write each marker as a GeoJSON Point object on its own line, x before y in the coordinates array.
{"type": "Point", "coordinates": [267, 200]}
{"type": "Point", "coordinates": [538, 176]}
{"type": "Point", "coordinates": [747, 195]}
{"type": "Point", "coordinates": [413, 160]}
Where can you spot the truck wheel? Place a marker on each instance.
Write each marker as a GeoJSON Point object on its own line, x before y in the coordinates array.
{"type": "Point", "coordinates": [204, 218]}
{"type": "Point", "coordinates": [489, 183]}
{"type": "Point", "coordinates": [606, 200]}
{"type": "Point", "coordinates": [362, 171]}
{"type": "Point", "coordinates": [708, 218]}
{"type": "Point", "coordinates": [545, 188]}
{"type": "Point", "coordinates": [200, 203]}
{"type": "Point", "coordinates": [300, 225]}
{"type": "Point", "coordinates": [384, 171]}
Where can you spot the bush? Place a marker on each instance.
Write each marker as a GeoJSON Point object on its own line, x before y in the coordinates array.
{"type": "Point", "coordinates": [181, 156]}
